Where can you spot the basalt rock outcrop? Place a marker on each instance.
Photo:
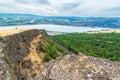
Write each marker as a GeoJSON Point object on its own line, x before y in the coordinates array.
{"type": "Point", "coordinates": [80, 67]}
{"type": "Point", "coordinates": [20, 55]}
{"type": "Point", "coordinates": [21, 59]}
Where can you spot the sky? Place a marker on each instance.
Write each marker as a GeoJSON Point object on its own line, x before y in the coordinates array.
{"type": "Point", "coordinates": [97, 8]}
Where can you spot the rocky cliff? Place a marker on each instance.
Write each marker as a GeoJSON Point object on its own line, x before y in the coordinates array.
{"type": "Point", "coordinates": [21, 58]}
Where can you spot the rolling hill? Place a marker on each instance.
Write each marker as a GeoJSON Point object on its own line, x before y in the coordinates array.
{"type": "Point", "coordinates": [8, 19]}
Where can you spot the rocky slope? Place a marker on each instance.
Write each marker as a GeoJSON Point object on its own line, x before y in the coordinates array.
{"type": "Point", "coordinates": [80, 67]}
{"type": "Point", "coordinates": [21, 58]}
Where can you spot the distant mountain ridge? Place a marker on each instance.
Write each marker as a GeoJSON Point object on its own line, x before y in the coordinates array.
{"type": "Point", "coordinates": [9, 19]}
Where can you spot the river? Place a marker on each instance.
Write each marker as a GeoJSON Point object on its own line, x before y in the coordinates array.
{"type": "Point", "coordinates": [59, 28]}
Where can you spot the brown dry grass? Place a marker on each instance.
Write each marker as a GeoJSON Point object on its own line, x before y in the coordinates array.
{"type": "Point", "coordinates": [35, 57]}
{"type": "Point", "coordinates": [12, 31]}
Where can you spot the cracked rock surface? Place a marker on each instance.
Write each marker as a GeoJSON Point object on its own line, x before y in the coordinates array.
{"type": "Point", "coordinates": [80, 67]}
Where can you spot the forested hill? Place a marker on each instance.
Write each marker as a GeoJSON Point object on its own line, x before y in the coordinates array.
{"type": "Point", "coordinates": [7, 19]}
{"type": "Point", "coordinates": [103, 45]}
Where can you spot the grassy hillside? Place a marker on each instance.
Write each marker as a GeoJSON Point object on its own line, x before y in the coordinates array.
{"type": "Point", "coordinates": [103, 45]}
{"type": "Point", "coordinates": [50, 49]}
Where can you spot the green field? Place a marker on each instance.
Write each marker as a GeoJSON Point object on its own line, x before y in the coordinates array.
{"type": "Point", "coordinates": [102, 45]}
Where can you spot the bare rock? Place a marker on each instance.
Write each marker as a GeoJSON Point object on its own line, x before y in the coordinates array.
{"type": "Point", "coordinates": [80, 67]}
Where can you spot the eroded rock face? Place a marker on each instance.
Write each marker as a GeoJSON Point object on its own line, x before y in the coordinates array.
{"type": "Point", "coordinates": [4, 73]}
{"type": "Point", "coordinates": [80, 67]}
{"type": "Point", "coordinates": [20, 55]}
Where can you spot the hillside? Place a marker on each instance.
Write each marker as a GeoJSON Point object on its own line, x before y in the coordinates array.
{"type": "Point", "coordinates": [24, 52]}
{"type": "Point", "coordinates": [98, 44]}
{"type": "Point", "coordinates": [31, 54]}
{"type": "Point", "coordinates": [7, 19]}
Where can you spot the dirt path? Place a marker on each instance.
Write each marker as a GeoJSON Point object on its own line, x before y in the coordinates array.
{"type": "Point", "coordinates": [34, 57]}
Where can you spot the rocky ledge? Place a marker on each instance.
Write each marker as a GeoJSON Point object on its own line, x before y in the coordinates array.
{"type": "Point", "coordinates": [80, 67]}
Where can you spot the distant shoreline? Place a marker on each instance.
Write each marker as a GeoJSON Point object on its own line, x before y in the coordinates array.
{"type": "Point", "coordinates": [105, 31]}
{"type": "Point", "coordinates": [59, 28]}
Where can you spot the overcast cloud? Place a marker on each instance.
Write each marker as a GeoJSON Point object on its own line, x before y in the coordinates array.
{"type": "Point", "coordinates": [105, 8]}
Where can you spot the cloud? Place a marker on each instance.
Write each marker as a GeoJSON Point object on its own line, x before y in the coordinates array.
{"type": "Point", "coordinates": [69, 6]}
{"type": "Point", "coordinates": [113, 11]}
{"type": "Point", "coordinates": [33, 1]}
{"type": "Point", "coordinates": [106, 8]}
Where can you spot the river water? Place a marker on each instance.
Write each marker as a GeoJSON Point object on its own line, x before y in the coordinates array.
{"type": "Point", "coordinates": [59, 28]}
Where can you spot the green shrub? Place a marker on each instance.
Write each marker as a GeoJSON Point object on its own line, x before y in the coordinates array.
{"type": "Point", "coordinates": [50, 50]}
{"type": "Point", "coordinates": [47, 57]}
